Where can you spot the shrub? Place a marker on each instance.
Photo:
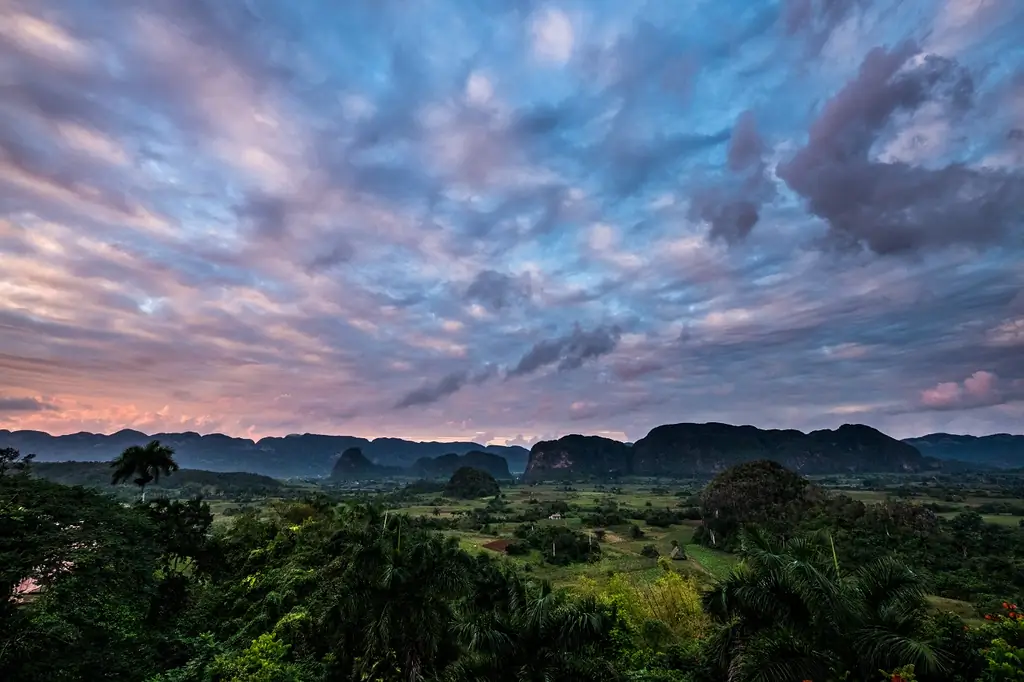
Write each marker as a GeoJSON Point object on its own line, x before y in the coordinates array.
{"type": "Point", "coordinates": [650, 551]}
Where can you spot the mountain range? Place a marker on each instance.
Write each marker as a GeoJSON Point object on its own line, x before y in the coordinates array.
{"type": "Point", "coordinates": [999, 451]}
{"type": "Point", "coordinates": [284, 457]}
{"type": "Point", "coordinates": [668, 450]}
{"type": "Point", "coordinates": [706, 449]}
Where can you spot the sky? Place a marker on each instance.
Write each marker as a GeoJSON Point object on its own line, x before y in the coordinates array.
{"type": "Point", "coordinates": [511, 219]}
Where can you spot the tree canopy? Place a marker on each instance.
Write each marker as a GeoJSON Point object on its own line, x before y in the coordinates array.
{"type": "Point", "coordinates": [761, 493]}
{"type": "Point", "coordinates": [143, 465]}
{"type": "Point", "coordinates": [470, 483]}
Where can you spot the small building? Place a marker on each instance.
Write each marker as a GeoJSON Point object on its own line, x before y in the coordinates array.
{"type": "Point", "coordinates": [555, 517]}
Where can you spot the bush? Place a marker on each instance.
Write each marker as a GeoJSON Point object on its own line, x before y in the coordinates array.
{"type": "Point", "coordinates": [558, 545]}
{"type": "Point", "coordinates": [517, 549]}
{"type": "Point", "coordinates": [650, 551]}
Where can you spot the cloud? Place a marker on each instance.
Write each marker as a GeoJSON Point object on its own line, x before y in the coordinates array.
{"type": "Point", "coordinates": [1009, 333]}
{"type": "Point", "coordinates": [257, 218]}
{"type": "Point", "coordinates": [732, 209]}
{"type": "Point", "coordinates": [979, 389]}
{"type": "Point", "coordinates": [11, 404]}
{"type": "Point", "coordinates": [552, 36]}
{"type": "Point", "coordinates": [445, 386]}
{"type": "Point", "coordinates": [815, 20]}
{"type": "Point", "coordinates": [894, 207]}
{"type": "Point", "coordinates": [431, 393]}
{"type": "Point", "coordinates": [570, 351]}
{"type": "Point", "coordinates": [498, 291]}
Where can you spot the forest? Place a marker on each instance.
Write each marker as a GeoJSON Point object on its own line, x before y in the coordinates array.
{"type": "Point", "coordinates": [756, 575]}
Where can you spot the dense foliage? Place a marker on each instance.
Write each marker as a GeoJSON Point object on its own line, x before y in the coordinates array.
{"type": "Point", "coordinates": [761, 492]}
{"type": "Point", "coordinates": [314, 590]}
{"type": "Point", "coordinates": [143, 465]}
{"type": "Point", "coordinates": [470, 483]}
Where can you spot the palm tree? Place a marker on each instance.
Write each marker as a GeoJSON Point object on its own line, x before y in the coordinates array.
{"type": "Point", "coordinates": [522, 630]}
{"type": "Point", "coordinates": [386, 597]}
{"type": "Point", "coordinates": [144, 465]}
{"type": "Point", "coordinates": [788, 613]}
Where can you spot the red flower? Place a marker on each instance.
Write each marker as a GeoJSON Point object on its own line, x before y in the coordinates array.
{"type": "Point", "coordinates": [1006, 605]}
{"type": "Point", "coordinates": [988, 616]}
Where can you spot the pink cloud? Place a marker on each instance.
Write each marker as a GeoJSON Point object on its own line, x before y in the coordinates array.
{"type": "Point", "coordinates": [980, 384]}
{"type": "Point", "coordinates": [946, 394]}
{"type": "Point", "coordinates": [976, 390]}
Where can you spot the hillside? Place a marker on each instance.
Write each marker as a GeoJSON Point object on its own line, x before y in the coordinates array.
{"type": "Point", "coordinates": [284, 457]}
{"type": "Point", "coordinates": [706, 449]}
{"type": "Point", "coordinates": [1001, 450]}
{"type": "Point", "coordinates": [185, 481]}
{"type": "Point", "coordinates": [446, 465]}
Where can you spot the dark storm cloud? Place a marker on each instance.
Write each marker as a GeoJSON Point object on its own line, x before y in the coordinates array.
{"type": "Point", "coordinates": [498, 291]}
{"type": "Point", "coordinates": [733, 208]}
{"type": "Point", "coordinates": [8, 404]}
{"type": "Point", "coordinates": [570, 351]}
{"type": "Point", "coordinates": [444, 387]}
{"type": "Point", "coordinates": [895, 207]}
{"type": "Point", "coordinates": [430, 393]}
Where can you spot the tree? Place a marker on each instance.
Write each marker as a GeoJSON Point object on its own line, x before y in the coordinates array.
{"type": "Point", "coordinates": [520, 630]}
{"type": "Point", "coordinates": [761, 493]}
{"type": "Point", "coordinates": [145, 464]}
{"type": "Point", "coordinates": [13, 462]}
{"type": "Point", "coordinates": [787, 613]}
{"type": "Point", "coordinates": [92, 565]}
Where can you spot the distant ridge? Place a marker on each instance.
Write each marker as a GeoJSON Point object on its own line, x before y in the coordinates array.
{"type": "Point", "coordinates": [668, 450]}
{"type": "Point", "coordinates": [284, 457]}
{"type": "Point", "coordinates": [706, 449]}
{"type": "Point", "coordinates": [999, 450]}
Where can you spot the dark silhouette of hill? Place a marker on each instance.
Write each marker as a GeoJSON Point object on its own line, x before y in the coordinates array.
{"type": "Point", "coordinates": [705, 449]}
{"type": "Point", "coordinates": [669, 450]}
{"type": "Point", "coordinates": [446, 465]}
{"type": "Point", "coordinates": [1000, 450]}
{"type": "Point", "coordinates": [294, 455]}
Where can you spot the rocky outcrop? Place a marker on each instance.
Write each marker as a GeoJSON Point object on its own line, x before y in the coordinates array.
{"type": "Point", "coordinates": [577, 455]}
{"type": "Point", "coordinates": [352, 464]}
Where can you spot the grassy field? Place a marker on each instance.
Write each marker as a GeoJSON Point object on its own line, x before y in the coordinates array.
{"type": "Point", "coordinates": [998, 519]}
{"type": "Point", "coordinates": [620, 553]}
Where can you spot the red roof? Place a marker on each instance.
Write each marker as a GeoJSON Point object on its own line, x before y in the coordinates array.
{"type": "Point", "coordinates": [498, 545]}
